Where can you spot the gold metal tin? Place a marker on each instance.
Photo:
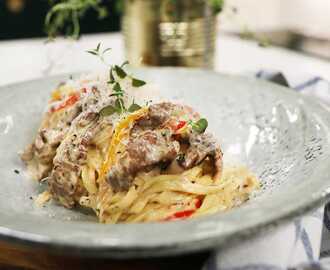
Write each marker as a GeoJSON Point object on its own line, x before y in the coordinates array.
{"type": "Point", "coordinates": [169, 33]}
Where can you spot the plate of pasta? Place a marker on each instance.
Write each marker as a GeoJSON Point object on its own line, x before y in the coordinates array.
{"type": "Point", "coordinates": [152, 162]}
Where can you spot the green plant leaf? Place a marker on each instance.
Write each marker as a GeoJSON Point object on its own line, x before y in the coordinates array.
{"type": "Point", "coordinates": [137, 82]}
{"type": "Point", "coordinates": [117, 87]}
{"type": "Point", "coordinates": [108, 110]}
{"type": "Point", "coordinates": [134, 107]}
{"type": "Point", "coordinates": [200, 126]}
{"type": "Point", "coordinates": [92, 52]}
{"type": "Point", "coordinates": [119, 105]}
{"type": "Point", "coordinates": [111, 77]}
{"type": "Point", "coordinates": [120, 72]}
{"type": "Point", "coordinates": [98, 47]}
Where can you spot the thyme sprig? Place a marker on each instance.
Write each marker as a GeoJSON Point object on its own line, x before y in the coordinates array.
{"type": "Point", "coordinates": [117, 74]}
{"type": "Point", "coordinates": [64, 16]}
{"type": "Point", "coordinates": [99, 53]}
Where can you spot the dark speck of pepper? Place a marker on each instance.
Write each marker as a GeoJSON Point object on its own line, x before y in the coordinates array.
{"type": "Point", "coordinates": [16, 171]}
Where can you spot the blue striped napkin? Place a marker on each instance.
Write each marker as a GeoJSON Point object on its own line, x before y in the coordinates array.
{"type": "Point", "coordinates": [302, 244]}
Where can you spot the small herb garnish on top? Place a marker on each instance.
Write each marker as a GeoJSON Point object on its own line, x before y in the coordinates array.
{"type": "Point", "coordinates": [200, 126]}
{"type": "Point", "coordinates": [134, 107]}
{"type": "Point", "coordinates": [137, 82]}
{"type": "Point", "coordinates": [98, 52]}
{"type": "Point", "coordinates": [116, 74]}
{"type": "Point", "coordinates": [120, 72]}
{"type": "Point", "coordinates": [108, 110]}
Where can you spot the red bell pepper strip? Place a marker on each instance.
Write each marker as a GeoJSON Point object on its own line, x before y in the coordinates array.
{"type": "Point", "coordinates": [186, 213]}
{"type": "Point", "coordinates": [180, 125]}
{"type": "Point", "coordinates": [181, 215]}
{"type": "Point", "coordinates": [198, 203]}
{"type": "Point", "coordinates": [72, 99]}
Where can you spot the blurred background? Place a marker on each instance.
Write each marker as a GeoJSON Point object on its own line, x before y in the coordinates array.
{"type": "Point", "coordinates": [26, 18]}
{"type": "Point", "coordinates": [301, 25]}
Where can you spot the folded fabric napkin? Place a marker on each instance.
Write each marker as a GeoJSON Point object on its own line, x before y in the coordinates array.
{"type": "Point", "coordinates": [302, 244]}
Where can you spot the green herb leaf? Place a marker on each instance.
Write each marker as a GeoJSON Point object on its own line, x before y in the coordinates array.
{"type": "Point", "coordinates": [108, 110]}
{"type": "Point", "coordinates": [134, 107]}
{"type": "Point", "coordinates": [137, 82]}
{"type": "Point", "coordinates": [100, 53]}
{"type": "Point", "coordinates": [92, 52]}
{"type": "Point", "coordinates": [117, 87]}
{"type": "Point", "coordinates": [112, 78]}
{"type": "Point", "coordinates": [119, 105]}
{"type": "Point", "coordinates": [98, 47]}
{"type": "Point", "coordinates": [120, 72]}
{"type": "Point", "coordinates": [200, 126]}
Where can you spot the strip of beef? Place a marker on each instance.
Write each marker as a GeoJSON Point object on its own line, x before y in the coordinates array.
{"type": "Point", "coordinates": [202, 146]}
{"type": "Point", "coordinates": [56, 123]}
{"type": "Point", "coordinates": [159, 114]}
{"type": "Point", "coordinates": [39, 155]}
{"type": "Point", "coordinates": [153, 143]}
{"type": "Point", "coordinates": [145, 150]}
{"type": "Point", "coordinates": [65, 182]}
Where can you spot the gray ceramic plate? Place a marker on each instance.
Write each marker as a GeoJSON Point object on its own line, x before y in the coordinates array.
{"type": "Point", "coordinates": [280, 135]}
